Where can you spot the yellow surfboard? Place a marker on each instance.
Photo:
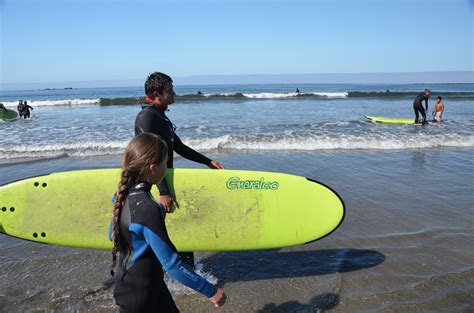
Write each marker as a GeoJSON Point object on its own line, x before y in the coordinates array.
{"type": "Point", "coordinates": [391, 120]}
{"type": "Point", "coordinates": [219, 210]}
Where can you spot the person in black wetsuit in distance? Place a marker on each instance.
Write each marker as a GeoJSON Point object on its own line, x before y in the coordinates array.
{"type": "Point", "coordinates": [297, 90]}
{"type": "Point", "coordinates": [152, 119]}
{"type": "Point", "coordinates": [418, 107]}
{"type": "Point", "coordinates": [26, 110]}
{"type": "Point", "coordinates": [139, 235]}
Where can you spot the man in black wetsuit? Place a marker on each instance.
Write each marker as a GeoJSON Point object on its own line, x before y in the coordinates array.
{"type": "Point", "coordinates": [418, 107]}
{"type": "Point", "coordinates": [152, 119]}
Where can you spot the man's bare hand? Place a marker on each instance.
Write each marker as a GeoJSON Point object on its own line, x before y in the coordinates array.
{"type": "Point", "coordinates": [216, 165]}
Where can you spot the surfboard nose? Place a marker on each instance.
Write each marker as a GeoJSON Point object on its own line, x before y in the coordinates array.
{"type": "Point", "coordinates": [5, 213]}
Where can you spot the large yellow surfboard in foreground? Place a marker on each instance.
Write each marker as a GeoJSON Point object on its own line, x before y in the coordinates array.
{"type": "Point", "coordinates": [219, 210]}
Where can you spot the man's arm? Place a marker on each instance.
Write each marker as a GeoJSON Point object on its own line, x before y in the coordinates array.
{"type": "Point", "coordinates": [189, 153]}
{"type": "Point", "coordinates": [426, 104]}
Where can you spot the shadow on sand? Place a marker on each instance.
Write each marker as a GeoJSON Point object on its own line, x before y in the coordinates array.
{"type": "Point", "coordinates": [271, 264]}
{"type": "Point", "coordinates": [319, 303]}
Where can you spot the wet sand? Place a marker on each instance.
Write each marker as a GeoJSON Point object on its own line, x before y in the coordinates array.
{"type": "Point", "coordinates": [406, 244]}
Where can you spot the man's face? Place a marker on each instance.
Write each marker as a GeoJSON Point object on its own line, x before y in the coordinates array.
{"type": "Point", "coordinates": [167, 95]}
{"type": "Point", "coordinates": [427, 93]}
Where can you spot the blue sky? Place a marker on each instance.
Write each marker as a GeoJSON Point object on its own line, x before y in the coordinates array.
{"type": "Point", "coordinates": [67, 40]}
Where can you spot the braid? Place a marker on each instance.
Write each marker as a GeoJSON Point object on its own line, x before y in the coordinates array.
{"type": "Point", "coordinates": [127, 180]}
{"type": "Point", "coordinates": [142, 151]}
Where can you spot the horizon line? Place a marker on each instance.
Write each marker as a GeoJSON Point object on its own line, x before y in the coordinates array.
{"type": "Point", "coordinates": [453, 77]}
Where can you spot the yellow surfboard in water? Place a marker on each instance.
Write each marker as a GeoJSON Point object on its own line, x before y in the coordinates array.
{"type": "Point", "coordinates": [390, 120]}
{"type": "Point", "coordinates": [219, 210]}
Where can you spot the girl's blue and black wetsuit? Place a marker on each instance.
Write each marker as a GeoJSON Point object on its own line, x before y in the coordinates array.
{"type": "Point", "coordinates": [145, 249]}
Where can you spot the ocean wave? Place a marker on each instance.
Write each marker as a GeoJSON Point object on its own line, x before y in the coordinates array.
{"type": "Point", "coordinates": [87, 148]}
{"type": "Point", "coordinates": [275, 95]}
{"type": "Point", "coordinates": [331, 142]}
{"type": "Point", "coordinates": [402, 94]}
{"type": "Point", "coordinates": [316, 95]}
{"type": "Point", "coordinates": [255, 142]}
{"type": "Point", "coordinates": [49, 103]}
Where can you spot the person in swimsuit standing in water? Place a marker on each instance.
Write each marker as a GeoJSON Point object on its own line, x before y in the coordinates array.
{"type": "Point", "coordinates": [438, 109]}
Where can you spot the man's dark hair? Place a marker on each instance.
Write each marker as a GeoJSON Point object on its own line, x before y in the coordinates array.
{"type": "Point", "coordinates": [156, 82]}
{"type": "Point", "coordinates": [439, 97]}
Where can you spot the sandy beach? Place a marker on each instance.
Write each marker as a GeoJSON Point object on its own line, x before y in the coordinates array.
{"type": "Point", "coordinates": [405, 244]}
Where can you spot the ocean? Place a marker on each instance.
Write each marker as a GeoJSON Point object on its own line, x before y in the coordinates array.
{"type": "Point", "coordinates": [406, 244]}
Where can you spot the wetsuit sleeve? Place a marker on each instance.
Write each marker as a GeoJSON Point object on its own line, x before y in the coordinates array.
{"type": "Point", "coordinates": [426, 104]}
{"type": "Point", "coordinates": [110, 230]}
{"type": "Point", "coordinates": [163, 188]}
{"type": "Point", "coordinates": [172, 263]}
{"type": "Point", "coordinates": [189, 153]}
{"type": "Point", "coordinates": [110, 225]}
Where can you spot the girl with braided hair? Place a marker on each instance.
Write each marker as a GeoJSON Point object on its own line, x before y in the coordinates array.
{"type": "Point", "coordinates": [140, 237]}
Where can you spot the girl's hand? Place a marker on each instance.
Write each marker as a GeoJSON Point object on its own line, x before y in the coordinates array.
{"type": "Point", "coordinates": [219, 298]}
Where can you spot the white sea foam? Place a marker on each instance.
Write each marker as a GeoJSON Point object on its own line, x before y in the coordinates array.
{"type": "Point", "coordinates": [276, 95]}
{"type": "Point", "coordinates": [271, 95]}
{"type": "Point", "coordinates": [86, 148]}
{"type": "Point", "coordinates": [223, 94]}
{"type": "Point", "coordinates": [257, 142]}
{"type": "Point", "coordinates": [42, 103]}
{"type": "Point", "coordinates": [331, 142]}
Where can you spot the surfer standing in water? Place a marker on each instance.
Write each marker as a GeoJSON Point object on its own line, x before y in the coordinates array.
{"type": "Point", "coordinates": [418, 106]}
{"type": "Point", "coordinates": [140, 237]}
{"type": "Point", "coordinates": [152, 119]}
{"type": "Point", "coordinates": [26, 110]}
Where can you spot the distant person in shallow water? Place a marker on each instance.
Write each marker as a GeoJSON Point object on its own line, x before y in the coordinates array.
{"type": "Point", "coordinates": [20, 108]}
{"type": "Point", "coordinates": [26, 110]}
{"type": "Point", "coordinates": [199, 93]}
{"type": "Point", "coordinates": [297, 90]}
{"type": "Point", "coordinates": [418, 106]}
{"type": "Point", "coordinates": [438, 109]}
